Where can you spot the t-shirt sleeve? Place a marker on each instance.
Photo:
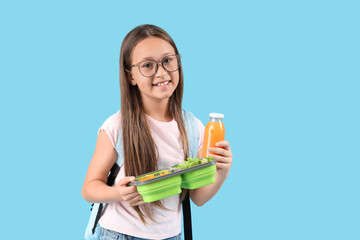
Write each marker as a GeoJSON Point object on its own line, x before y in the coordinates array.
{"type": "Point", "coordinates": [112, 126]}
{"type": "Point", "coordinates": [201, 130]}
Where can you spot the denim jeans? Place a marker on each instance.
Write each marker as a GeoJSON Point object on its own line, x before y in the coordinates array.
{"type": "Point", "coordinates": [106, 234]}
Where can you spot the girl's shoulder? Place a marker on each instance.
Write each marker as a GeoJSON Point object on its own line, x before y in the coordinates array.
{"type": "Point", "coordinates": [201, 129]}
{"type": "Point", "coordinates": [112, 127]}
{"type": "Point", "coordinates": [199, 124]}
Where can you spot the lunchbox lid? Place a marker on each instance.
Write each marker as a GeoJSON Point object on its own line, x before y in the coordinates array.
{"type": "Point", "coordinates": [173, 172]}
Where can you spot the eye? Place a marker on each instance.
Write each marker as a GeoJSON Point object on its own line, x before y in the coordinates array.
{"type": "Point", "coordinates": [147, 65]}
{"type": "Point", "coordinates": [167, 60]}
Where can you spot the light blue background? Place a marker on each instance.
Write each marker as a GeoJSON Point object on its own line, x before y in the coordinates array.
{"type": "Point", "coordinates": [284, 73]}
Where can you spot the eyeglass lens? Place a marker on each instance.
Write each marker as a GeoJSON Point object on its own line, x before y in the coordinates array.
{"type": "Point", "coordinates": [149, 67]}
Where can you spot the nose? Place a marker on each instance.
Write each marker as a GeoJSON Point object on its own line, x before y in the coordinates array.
{"type": "Point", "coordinates": [160, 70]}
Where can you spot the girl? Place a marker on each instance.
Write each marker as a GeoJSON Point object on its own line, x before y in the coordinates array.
{"type": "Point", "coordinates": [153, 137]}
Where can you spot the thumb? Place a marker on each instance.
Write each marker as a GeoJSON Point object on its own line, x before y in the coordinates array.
{"type": "Point", "coordinates": [126, 180]}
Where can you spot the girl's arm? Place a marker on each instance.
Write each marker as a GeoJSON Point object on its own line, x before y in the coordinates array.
{"type": "Point", "coordinates": [94, 188]}
{"type": "Point", "coordinates": [224, 156]}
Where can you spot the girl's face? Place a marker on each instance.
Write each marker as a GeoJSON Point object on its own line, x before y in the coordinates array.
{"type": "Point", "coordinates": [162, 85]}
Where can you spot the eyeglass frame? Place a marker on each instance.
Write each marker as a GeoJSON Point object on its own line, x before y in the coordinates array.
{"type": "Point", "coordinates": [178, 56]}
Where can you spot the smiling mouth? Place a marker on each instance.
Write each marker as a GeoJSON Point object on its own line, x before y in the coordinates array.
{"type": "Point", "coordinates": [162, 84]}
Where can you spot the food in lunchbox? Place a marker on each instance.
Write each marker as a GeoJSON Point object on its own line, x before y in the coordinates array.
{"type": "Point", "coordinates": [154, 175]}
{"type": "Point", "coordinates": [191, 162]}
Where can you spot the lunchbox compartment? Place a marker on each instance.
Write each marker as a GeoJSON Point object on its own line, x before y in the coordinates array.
{"type": "Point", "coordinates": [160, 189]}
{"type": "Point", "coordinates": [198, 178]}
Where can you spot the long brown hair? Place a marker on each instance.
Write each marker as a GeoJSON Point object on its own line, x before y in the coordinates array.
{"type": "Point", "coordinates": [140, 153]}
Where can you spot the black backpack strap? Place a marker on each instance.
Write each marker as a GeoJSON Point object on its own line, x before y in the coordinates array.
{"type": "Point", "coordinates": [187, 217]}
{"type": "Point", "coordinates": [98, 215]}
{"type": "Point", "coordinates": [193, 138]}
{"type": "Point", "coordinates": [110, 181]}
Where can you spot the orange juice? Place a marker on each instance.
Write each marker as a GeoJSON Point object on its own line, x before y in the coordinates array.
{"type": "Point", "coordinates": [214, 132]}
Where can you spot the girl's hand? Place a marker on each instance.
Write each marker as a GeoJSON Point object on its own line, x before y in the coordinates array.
{"type": "Point", "coordinates": [223, 156]}
{"type": "Point", "coordinates": [127, 193]}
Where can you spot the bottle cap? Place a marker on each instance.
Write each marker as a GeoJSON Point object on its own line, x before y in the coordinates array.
{"type": "Point", "coordinates": [216, 115]}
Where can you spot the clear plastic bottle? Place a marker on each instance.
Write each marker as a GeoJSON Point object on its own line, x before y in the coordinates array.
{"type": "Point", "coordinates": [214, 132]}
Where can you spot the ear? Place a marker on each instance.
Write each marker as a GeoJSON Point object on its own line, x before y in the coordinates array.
{"type": "Point", "coordinates": [131, 79]}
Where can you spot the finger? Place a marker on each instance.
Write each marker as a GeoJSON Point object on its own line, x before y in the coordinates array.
{"type": "Point", "coordinates": [136, 199]}
{"type": "Point", "coordinates": [220, 151]}
{"type": "Point", "coordinates": [138, 203]}
{"type": "Point", "coordinates": [220, 165]}
{"type": "Point", "coordinates": [224, 144]}
{"type": "Point", "coordinates": [126, 180]}
{"type": "Point", "coordinates": [126, 190]}
{"type": "Point", "coordinates": [130, 197]}
{"type": "Point", "coordinates": [221, 159]}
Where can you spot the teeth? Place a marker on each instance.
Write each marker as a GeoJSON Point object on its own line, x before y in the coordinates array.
{"type": "Point", "coordinates": [162, 84]}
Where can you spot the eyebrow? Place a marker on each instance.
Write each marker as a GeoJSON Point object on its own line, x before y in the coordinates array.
{"type": "Point", "coordinates": [162, 56]}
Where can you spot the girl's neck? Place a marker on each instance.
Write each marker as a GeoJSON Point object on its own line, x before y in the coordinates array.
{"type": "Point", "coordinates": [158, 110]}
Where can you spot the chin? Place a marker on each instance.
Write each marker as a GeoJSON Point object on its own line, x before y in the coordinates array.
{"type": "Point", "coordinates": [165, 96]}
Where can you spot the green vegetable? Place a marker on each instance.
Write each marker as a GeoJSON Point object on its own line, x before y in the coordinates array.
{"type": "Point", "coordinates": [208, 159]}
{"type": "Point", "coordinates": [191, 162]}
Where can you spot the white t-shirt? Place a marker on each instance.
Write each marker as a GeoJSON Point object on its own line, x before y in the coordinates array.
{"type": "Point", "coordinates": [119, 216]}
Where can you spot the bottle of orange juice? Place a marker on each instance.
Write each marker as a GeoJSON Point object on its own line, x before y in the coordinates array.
{"type": "Point", "coordinates": [214, 132]}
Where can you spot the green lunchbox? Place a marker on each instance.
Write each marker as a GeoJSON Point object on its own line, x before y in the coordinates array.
{"type": "Point", "coordinates": [168, 182]}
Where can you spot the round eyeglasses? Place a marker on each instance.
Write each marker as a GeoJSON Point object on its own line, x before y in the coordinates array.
{"type": "Point", "coordinates": [148, 68]}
